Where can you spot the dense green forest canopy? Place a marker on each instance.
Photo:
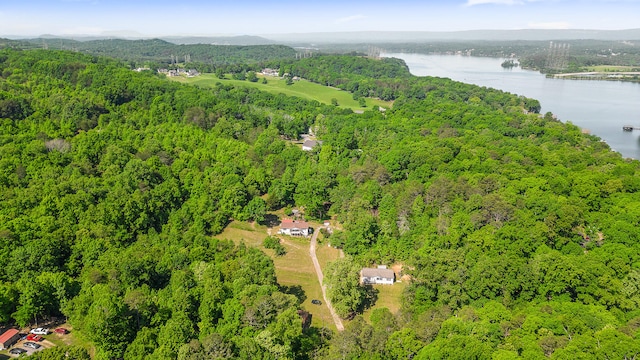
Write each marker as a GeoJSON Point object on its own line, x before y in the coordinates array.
{"type": "Point", "coordinates": [159, 53]}
{"type": "Point", "coordinates": [520, 232]}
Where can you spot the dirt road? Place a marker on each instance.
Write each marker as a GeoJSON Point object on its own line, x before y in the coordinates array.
{"type": "Point", "coordinates": [316, 265]}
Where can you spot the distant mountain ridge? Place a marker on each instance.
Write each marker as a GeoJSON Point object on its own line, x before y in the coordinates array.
{"type": "Point", "coordinates": [420, 36]}
{"type": "Point", "coordinates": [371, 36]}
{"type": "Point", "coordinates": [242, 40]}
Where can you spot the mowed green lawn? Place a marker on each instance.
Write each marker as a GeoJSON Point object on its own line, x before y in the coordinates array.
{"type": "Point", "coordinates": [389, 296]}
{"type": "Point", "coordinates": [294, 270]}
{"type": "Point", "coordinates": [302, 89]}
{"type": "Point", "coordinates": [611, 68]}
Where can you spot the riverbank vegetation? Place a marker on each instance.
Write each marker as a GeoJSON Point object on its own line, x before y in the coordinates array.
{"type": "Point", "coordinates": [519, 232]}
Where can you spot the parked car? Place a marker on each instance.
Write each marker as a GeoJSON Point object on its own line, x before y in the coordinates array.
{"type": "Point", "coordinates": [17, 351]}
{"type": "Point", "coordinates": [34, 337]}
{"type": "Point", "coordinates": [316, 302]}
{"type": "Point", "coordinates": [40, 331]}
{"type": "Point", "coordinates": [31, 345]}
{"type": "Point", "coordinates": [61, 331]}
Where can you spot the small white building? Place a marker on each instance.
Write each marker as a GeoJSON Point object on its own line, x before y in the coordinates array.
{"type": "Point", "coordinates": [295, 228]}
{"type": "Point", "coordinates": [270, 72]}
{"type": "Point", "coordinates": [379, 275]}
{"type": "Point", "coordinates": [309, 145]}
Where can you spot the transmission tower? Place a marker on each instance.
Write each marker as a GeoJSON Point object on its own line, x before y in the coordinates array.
{"type": "Point", "coordinates": [557, 56]}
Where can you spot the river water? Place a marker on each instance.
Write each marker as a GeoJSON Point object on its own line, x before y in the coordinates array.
{"type": "Point", "coordinates": [602, 107]}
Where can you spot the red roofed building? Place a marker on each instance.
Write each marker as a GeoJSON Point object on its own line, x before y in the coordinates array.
{"type": "Point", "coordinates": [294, 228]}
{"type": "Point", "coordinates": [9, 338]}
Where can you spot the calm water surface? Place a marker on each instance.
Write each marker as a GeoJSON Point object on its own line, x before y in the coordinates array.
{"type": "Point", "coordinates": [603, 107]}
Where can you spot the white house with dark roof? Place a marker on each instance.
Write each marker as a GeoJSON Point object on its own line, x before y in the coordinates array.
{"type": "Point", "coordinates": [295, 228]}
{"type": "Point", "coordinates": [379, 275]}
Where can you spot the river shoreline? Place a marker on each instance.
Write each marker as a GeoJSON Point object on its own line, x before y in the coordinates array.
{"type": "Point", "coordinates": [600, 76]}
{"type": "Point", "coordinates": [603, 107]}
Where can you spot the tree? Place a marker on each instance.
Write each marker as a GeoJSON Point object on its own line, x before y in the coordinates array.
{"type": "Point", "coordinates": [256, 210]}
{"type": "Point", "coordinates": [8, 297]}
{"type": "Point", "coordinates": [108, 323]}
{"type": "Point", "coordinates": [251, 76]}
{"type": "Point", "coordinates": [342, 279]}
{"type": "Point", "coordinates": [177, 331]}
{"type": "Point", "coordinates": [272, 242]}
{"type": "Point", "coordinates": [403, 344]}
{"type": "Point", "coordinates": [62, 353]}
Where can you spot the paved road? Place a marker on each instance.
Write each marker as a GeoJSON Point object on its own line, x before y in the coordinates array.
{"type": "Point", "coordinates": [316, 265]}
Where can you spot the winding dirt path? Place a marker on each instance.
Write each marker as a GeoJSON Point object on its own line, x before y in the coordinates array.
{"type": "Point", "coordinates": [316, 265]}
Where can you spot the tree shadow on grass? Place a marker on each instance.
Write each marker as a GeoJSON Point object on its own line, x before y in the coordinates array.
{"type": "Point", "coordinates": [295, 290]}
{"type": "Point", "coordinates": [271, 220]}
{"type": "Point", "coordinates": [370, 296]}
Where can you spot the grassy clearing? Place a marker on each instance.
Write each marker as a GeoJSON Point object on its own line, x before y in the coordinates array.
{"type": "Point", "coordinates": [326, 254]}
{"type": "Point", "coordinates": [610, 68]}
{"type": "Point", "coordinates": [251, 234]}
{"type": "Point", "coordinates": [296, 274]}
{"type": "Point", "coordinates": [73, 338]}
{"type": "Point", "coordinates": [294, 270]}
{"type": "Point", "coordinates": [302, 89]}
{"type": "Point", "coordinates": [389, 296]}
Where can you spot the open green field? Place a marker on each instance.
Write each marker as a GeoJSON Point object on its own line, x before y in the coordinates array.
{"type": "Point", "coordinates": [389, 296]}
{"type": "Point", "coordinates": [326, 254]}
{"type": "Point", "coordinates": [251, 234]}
{"type": "Point", "coordinates": [294, 270]}
{"type": "Point", "coordinates": [610, 68]}
{"type": "Point", "coordinates": [302, 89]}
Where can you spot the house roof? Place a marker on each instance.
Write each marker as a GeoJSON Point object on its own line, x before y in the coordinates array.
{"type": "Point", "coordinates": [7, 335]}
{"type": "Point", "coordinates": [382, 273]}
{"type": "Point", "coordinates": [293, 224]}
{"type": "Point", "coordinates": [310, 143]}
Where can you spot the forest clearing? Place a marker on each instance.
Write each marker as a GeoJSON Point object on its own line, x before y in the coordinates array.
{"type": "Point", "coordinates": [303, 89]}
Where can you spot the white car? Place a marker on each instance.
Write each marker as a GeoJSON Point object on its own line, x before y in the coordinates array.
{"type": "Point", "coordinates": [40, 331]}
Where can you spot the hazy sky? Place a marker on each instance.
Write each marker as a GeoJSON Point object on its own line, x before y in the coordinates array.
{"type": "Point", "coordinates": [253, 17]}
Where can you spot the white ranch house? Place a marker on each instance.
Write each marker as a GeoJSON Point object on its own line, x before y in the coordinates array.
{"type": "Point", "coordinates": [379, 275]}
{"type": "Point", "coordinates": [295, 228]}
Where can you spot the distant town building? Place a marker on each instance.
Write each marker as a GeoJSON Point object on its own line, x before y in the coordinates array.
{"type": "Point", "coordinates": [270, 72]}
{"type": "Point", "coordinates": [179, 72]}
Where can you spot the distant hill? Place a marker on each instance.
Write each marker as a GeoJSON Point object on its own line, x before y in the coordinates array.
{"type": "Point", "coordinates": [163, 51]}
{"type": "Point", "coordinates": [219, 40]}
{"type": "Point", "coordinates": [242, 40]}
{"type": "Point", "coordinates": [367, 37]}
{"type": "Point", "coordinates": [419, 36]}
